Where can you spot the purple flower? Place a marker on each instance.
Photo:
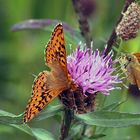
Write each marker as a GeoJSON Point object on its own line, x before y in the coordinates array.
{"type": "Point", "coordinates": [92, 71]}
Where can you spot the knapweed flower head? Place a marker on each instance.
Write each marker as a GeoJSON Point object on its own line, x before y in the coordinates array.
{"type": "Point", "coordinates": [92, 71]}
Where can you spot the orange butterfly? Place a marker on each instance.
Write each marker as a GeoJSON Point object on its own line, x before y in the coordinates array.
{"type": "Point", "coordinates": [49, 84]}
{"type": "Point", "coordinates": [130, 64]}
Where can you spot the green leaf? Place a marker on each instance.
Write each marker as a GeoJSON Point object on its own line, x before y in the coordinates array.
{"type": "Point", "coordinates": [38, 133]}
{"type": "Point", "coordinates": [110, 119]}
{"type": "Point", "coordinates": [4, 113]}
{"type": "Point", "coordinates": [112, 106]}
{"type": "Point", "coordinates": [16, 121]}
{"type": "Point", "coordinates": [72, 35]}
{"type": "Point", "coordinates": [9, 118]}
{"type": "Point", "coordinates": [42, 134]}
{"type": "Point", "coordinates": [23, 127]}
{"type": "Point", "coordinates": [49, 112]}
{"type": "Point", "coordinates": [96, 136]}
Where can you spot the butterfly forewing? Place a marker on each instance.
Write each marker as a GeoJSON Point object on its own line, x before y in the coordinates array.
{"type": "Point", "coordinates": [55, 50]}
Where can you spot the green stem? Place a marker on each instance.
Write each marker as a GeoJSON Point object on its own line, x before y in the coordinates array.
{"type": "Point", "coordinates": [66, 123]}
{"type": "Point", "coordinates": [83, 130]}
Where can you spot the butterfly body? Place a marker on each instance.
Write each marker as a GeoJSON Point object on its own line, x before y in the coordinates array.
{"type": "Point", "coordinates": [130, 64]}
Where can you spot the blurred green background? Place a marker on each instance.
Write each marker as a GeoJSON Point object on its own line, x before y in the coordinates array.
{"type": "Point", "coordinates": [22, 54]}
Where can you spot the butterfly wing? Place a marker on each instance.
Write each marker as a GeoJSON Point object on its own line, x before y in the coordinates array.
{"type": "Point", "coordinates": [49, 85]}
{"type": "Point", "coordinates": [42, 94]}
{"type": "Point", "coordinates": [55, 52]}
{"type": "Point", "coordinates": [138, 56]}
{"type": "Point", "coordinates": [136, 74]}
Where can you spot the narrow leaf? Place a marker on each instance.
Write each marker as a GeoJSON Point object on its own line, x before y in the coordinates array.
{"type": "Point", "coordinates": [110, 119]}
{"type": "Point", "coordinates": [112, 106]}
{"type": "Point", "coordinates": [49, 112]}
{"type": "Point", "coordinates": [96, 136]}
{"type": "Point", "coordinates": [38, 24]}
{"type": "Point", "coordinates": [16, 121]}
{"type": "Point", "coordinates": [48, 24]}
{"type": "Point", "coordinates": [23, 127]}
{"type": "Point", "coordinates": [42, 134]}
{"type": "Point", "coordinates": [9, 118]}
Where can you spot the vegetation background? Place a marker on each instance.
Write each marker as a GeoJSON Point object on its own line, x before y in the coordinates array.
{"type": "Point", "coordinates": [22, 54]}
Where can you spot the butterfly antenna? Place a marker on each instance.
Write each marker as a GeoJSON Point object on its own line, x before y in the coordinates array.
{"type": "Point", "coordinates": [33, 75]}
{"type": "Point", "coordinates": [91, 44]}
{"type": "Point", "coordinates": [70, 45]}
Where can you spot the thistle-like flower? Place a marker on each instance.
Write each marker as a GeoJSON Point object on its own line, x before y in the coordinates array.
{"type": "Point", "coordinates": [92, 71]}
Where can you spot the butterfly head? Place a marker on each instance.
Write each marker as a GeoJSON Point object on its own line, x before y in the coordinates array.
{"type": "Point", "coordinates": [126, 59]}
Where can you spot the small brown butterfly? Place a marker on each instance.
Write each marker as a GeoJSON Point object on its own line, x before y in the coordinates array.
{"type": "Point", "coordinates": [49, 84]}
{"type": "Point", "coordinates": [130, 64]}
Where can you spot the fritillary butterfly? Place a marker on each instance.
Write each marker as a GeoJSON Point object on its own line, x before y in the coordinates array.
{"type": "Point", "coordinates": [48, 85]}
{"type": "Point", "coordinates": [130, 64]}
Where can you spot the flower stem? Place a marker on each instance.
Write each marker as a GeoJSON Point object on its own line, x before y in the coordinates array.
{"type": "Point", "coordinates": [83, 130]}
{"type": "Point", "coordinates": [66, 123]}
{"type": "Point", "coordinates": [83, 22]}
{"type": "Point", "coordinates": [113, 37]}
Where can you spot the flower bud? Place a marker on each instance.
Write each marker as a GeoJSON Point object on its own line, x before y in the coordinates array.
{"type": "Point", "coordinates": [130, 23]}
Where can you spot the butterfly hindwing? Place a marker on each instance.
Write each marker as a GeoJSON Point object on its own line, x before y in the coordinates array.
{"type": "Point", "coordinates": [43, 92]}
